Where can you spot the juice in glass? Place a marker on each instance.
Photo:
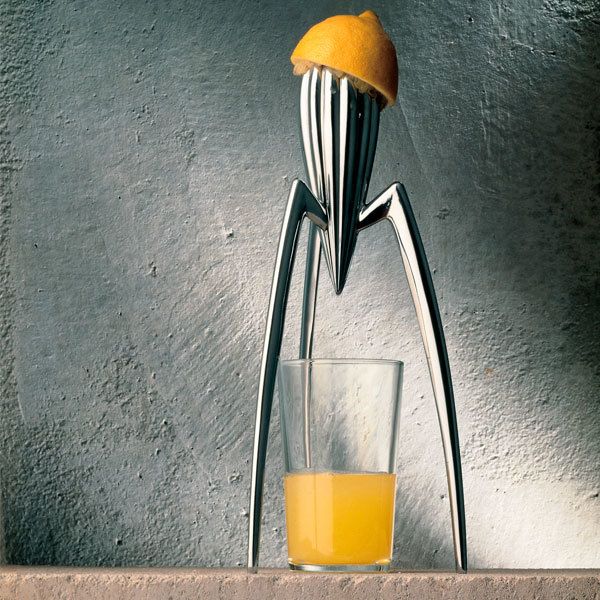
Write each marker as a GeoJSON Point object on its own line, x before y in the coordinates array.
{"type": "Point", "coordinates": [339, 518]}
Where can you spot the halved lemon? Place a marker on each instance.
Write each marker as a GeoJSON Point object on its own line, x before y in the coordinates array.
{"type": "Point", "coordinates": [354, 46]}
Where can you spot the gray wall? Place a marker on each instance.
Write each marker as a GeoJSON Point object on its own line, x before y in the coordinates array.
{"type": "Point", "coordinates": [143, 147]}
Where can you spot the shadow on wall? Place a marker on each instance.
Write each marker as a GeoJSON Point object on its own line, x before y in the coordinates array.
{"type": "Point", "coordinates": [540, 187]}
{"type": "Point", "coordinates": [540, 195]}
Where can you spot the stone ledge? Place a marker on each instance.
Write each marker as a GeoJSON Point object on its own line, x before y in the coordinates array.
{"type": "Point", "coordinates": [47, 583]}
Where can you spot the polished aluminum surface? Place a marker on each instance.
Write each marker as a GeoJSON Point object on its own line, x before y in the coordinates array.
{"type": "Point", "coordinates": [307, 325]}
{"type": "Point", "coordinates": [301, 204]}
{"type": "Point", "coordinates": [393, 205]}
{"type": "Point", "coordinates": [339, 135]}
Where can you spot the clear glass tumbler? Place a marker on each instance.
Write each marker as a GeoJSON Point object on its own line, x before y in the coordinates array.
{"type": "Point", "coordinates": [339, 423]}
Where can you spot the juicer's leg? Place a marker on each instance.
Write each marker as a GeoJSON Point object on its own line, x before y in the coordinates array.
{"type": "Point", "coordinates": [301, 203]}
{"type": "Point", "coordinates": [307, 327]}
{"type": "Point", "coordinates": [309, 295]}
{"type": "Point", "coordinates": [393, 204]}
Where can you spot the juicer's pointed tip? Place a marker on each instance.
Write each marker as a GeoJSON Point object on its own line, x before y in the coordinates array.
{"type": "Point", "coordinates": [339, 279]}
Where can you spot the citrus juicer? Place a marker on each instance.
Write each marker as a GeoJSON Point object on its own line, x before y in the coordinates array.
{"type": "Point", "coordinates": [339, 129]}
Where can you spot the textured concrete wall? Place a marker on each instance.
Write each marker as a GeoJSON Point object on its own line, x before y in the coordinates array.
{"type": "Point", "coordinates": [146, 150]}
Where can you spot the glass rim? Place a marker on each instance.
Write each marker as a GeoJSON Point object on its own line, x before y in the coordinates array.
{"type": "Point", "coordinates": [341, 361]}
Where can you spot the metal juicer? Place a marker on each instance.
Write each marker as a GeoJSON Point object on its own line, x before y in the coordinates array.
{"type": "Point", "coordinates": [339, 127]}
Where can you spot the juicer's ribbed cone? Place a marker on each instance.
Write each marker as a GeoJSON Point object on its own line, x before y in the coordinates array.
{"type": "Point", "coordinates": [339, 136]}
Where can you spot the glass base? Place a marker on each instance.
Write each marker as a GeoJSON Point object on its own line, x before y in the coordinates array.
{"type": "Point", "coordinates": [341, 568]}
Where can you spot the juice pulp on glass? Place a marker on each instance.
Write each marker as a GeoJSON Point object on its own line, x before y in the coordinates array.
{"type": "Point", "coordinates": [339, 518]}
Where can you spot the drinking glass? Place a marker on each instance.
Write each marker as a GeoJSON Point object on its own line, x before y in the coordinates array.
{"type": "Point", "coordinates": [339, 423]}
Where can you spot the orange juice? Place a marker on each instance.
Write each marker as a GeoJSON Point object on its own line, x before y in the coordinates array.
{"type": "Point", "coordinates": [339, 518]}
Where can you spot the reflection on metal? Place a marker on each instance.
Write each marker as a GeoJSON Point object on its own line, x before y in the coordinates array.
{"type": "Point", "coordinates": [339, 136]}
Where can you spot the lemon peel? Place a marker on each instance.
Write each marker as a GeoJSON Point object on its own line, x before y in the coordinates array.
{"type": "Point", "coordinates": [353, 46]}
